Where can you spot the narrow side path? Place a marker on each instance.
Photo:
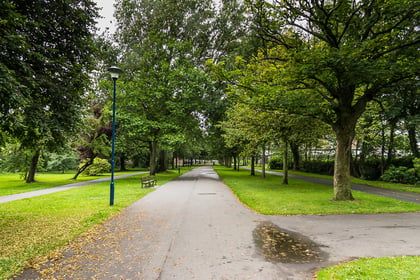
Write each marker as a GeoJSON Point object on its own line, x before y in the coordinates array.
{"type": "Point", "coordinates": [395, 194]}
{"type": "Point", "coordinates": [13, 197]}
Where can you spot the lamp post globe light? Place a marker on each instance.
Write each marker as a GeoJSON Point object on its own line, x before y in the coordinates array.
{"type": "Point", "coordinates": [115, 73]}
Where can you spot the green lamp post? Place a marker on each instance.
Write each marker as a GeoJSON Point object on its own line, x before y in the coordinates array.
{"type": "Point", "coordinates": [115, 73]}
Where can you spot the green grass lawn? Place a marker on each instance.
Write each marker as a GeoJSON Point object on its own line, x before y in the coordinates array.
{"type": "Point", "coordinates": [13, 183]}
{"type": "Point", "coordinates": [268, 196]}
{"type": "Point", "coordinates": [379, 184]}
{"type": "Point", "coordinates": [407, 268]}
{"type": "Point", "coordinates": [32, 227]}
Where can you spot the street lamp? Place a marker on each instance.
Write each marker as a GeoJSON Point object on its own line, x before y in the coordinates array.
{"type": "Point", "coordinates": [115, 73]}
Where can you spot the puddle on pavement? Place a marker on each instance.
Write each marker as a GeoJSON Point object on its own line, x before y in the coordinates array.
{"type": "Point", "coordinates": [277, 245]}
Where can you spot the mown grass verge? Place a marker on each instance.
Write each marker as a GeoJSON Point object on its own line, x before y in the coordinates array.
{"type": "Point", "coordinates": [268, 196]}
{"type": "Point", "coordinates": [32, 227]}
{"type": "Point", "coordinates": [374, 268]}
{"type": "Point", "coordinates": [379, 184]}
{"type": "Point", "coordinates": [13, 183]}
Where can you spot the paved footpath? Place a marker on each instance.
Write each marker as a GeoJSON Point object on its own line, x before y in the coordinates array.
{"type": "Point", "coordinates": [13, 197]}
{"type": "Point", "coordinates": [195, 228]}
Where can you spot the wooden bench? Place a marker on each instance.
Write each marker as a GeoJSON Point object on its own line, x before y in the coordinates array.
{"type": "Point", "coordinates": [148, 181]}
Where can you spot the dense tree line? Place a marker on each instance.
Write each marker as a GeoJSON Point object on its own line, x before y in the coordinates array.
{"type": "Point", "coordinates": [329, 60]}
{"type": "Point", "coordinates": [167, 97]}
{"type": "Point", "coordinates": [225, 80]}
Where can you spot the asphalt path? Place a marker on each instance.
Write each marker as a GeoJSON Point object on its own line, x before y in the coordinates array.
{"type": "Point", "coordinates": [195, 228]}
{"type": "Point", "coordinates": [395, 194]}
{"type": "Point", "coordinates": [13, 197]}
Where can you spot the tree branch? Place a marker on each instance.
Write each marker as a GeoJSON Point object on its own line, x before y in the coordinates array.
{"type": "Point", "coordinates": [407, 16]}
{"type": "Point", "coordinates": [400, 47]}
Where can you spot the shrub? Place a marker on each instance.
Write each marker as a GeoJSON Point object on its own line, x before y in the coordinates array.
{"type": "Point", "coordinates": [400, 174]}
{"type": "Point", "coordinates": [318, 166]}
{"type": "Point", "coordinates": [416, 164]}
{"type": "Point", "coordinates": [99, 166]}
{"type": "Point", "coordinates": [61, 162]}
{"type": "Point", "coordinates": [275, 162]}
{"type": "Point", "coordinates": [370, 169]}
{"type": "Point", "coordinates": [406, 161]}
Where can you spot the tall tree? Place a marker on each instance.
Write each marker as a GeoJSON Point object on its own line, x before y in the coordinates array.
{"type": "Point", "coordinates": [47, 71]}
{"type": "Point", "coordinates": [229, 37]}
{"type": "Point", "coordinates": [341, 55]}
{"type": "Point", "coordinates": [165, 43]}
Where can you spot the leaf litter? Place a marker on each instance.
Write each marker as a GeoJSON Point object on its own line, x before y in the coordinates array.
{"type": "Point", "coordinates": [99, 245]}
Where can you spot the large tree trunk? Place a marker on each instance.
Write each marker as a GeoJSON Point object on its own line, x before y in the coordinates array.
{"type": "Point", "coordinates": [391, 146]}
{"type": "Point", "coordinates": [263, 162]}
{"type": "Point", "coordinates": [32, 169]}
{"type": "Point", "coordinates": [163, 161]}
{"type": "Point", "coordinates": [285, 165]}
{"type": "Point", "coordinates": [344, 128]}
{"type": "Point", "coordinates": [153, 157]}
{"type": "Point", "coordinates": [362, 161]}
{"type": "Point", "coordinates": [252, 166]}
{"type": "Point", "coordinates": [342, 190]}
{"type": "Point", "coordinates": [122, 162]}
{"type": "Point", "coordinates": [411, 129]}
{"type": "Point", "coordinates": [296, 156]}
{"type": "Point", "coordinates": [383, 140]}
{"type": "Point", "coordinates": [354, 165]}
{"type": "Point", "coordinates": [238, 162]}
{"type": "Point", "coordinates": [174, 163]}
{"type": "Point", "coordinates": [228, 161]}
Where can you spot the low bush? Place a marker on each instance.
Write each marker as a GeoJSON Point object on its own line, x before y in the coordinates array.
{"type": "Point", "coordinates": [406, 161]}
{"type": "Point", "coordinates": [406, 172]}
{"type": "Point", "coordinates": [369, 169]}
{"type": "Point", "coordinates": [400, 174]}
{"type": "Point", "coordinates": [275, 162]}
{"type": "Point", "coordinates": [416, 164]}
{"type": "Point", "coordinates": [99, 166]}
{"type": "Point", "coordinates": [318, 166]}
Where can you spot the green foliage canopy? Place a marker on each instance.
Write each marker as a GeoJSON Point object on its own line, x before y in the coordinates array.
{"type": "Point", "coordinates": [339, 56]}
{"type": "Point", "coordinates": [44, 66]}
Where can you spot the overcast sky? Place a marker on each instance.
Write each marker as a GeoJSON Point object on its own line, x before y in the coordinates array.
{"type": "Point", "coordinates": [107, 12]}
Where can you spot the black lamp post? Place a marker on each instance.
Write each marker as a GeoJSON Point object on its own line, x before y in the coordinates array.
{"type": "Point", "coordinates": [115, 72]}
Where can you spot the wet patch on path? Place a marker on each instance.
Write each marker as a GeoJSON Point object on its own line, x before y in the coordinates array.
{"type": "Point", "coordinates": [281, 246]}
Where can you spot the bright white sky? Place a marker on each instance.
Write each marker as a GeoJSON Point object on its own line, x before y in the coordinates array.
{"type": "Point", "coordinates": [107, 12]}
